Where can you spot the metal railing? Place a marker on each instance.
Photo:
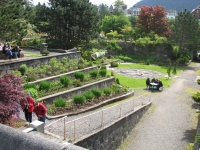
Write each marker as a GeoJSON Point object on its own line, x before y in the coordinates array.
{"type": "Point", "coordinates": [82, 127]}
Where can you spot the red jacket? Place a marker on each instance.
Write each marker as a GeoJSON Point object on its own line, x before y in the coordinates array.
{"type": "Point", "coordinates": [40, 110]}
{"type": "Point", "coordinates": [30, 101]}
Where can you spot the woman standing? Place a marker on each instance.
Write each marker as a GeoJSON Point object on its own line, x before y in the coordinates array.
{"type": "Point", "coordinates": [28, 107]}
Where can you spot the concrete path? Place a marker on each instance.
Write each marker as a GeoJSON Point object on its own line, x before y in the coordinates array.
{"type": "Point", "coordinates": [171, 122]}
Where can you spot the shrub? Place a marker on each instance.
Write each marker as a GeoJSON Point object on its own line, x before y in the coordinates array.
{"type": "Point", "coordinates": [107, 91]}
{"type": "Point", "coordinates": [60, 102]}
{"type": "Point", "coordinates": [30, 78]}
{"type": "Point", "coordinates": [115, 88]}
{"type": "Point", "coordinates": [114, 64]}
{"type": "Point", "coordinates": [64, 61]}
{"type": "Point", "coordinates": [65, 80]}
{"type": "Point", "coordinates": [94, 73]}
{"type": "Point", "coordinates": [77, 83]}
{"type": "Point", "coordinates": [81, 66]}
{"type": "Point", "coordinates": [23, 69]}
{"type": "Point", "coordinates": [17, 73]}
{"type": "Point", "coordinates": [88, 95]}
{"type": "Point", "coordinates": [79, 75]}
{"type": "Point", "coordinates": [51, 109]}
{"type": "Point", "coordinates": [198, 81]}
{"type": "Point", "coordinates": [103, 67]}
{"type": "Point", "coordinates": [79, 99]}
{"type": "Point", "coordinates": [117, 81]}
{"type": "Point", "coordinates": [110, 35]}
{"type": "Point", "coordinates": [96, 92]}
{"type": "Point", "coordinates": [45, 52]}
{"type": "Point", "coordinates": [33, 92]}
{"type": "Point", "coordinates": [112, 73]}
{"type": "Point", "coordinates": [30, 85]}
{"type": "Point", "coordinates": [44, 85]}
{"type": "Point", "coordinates": [103, 72]}
{"type": "Point", "coordinates": [196, 97]}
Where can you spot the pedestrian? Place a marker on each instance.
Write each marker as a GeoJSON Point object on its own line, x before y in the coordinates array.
{"type": "Point", "coordinates": [40, 111]}
{"type": "Point", "coordinates": [28, 107]}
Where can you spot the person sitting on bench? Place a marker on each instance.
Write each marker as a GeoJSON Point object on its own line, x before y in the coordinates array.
{"type": "Point", "coordinates": [16, 51]}
{"type": "Point", "coordinates": [159, 84]}
{"type": "Point", "coordinates": [8, 50]}
{"type": "Point", "coordinates": [148, 82]}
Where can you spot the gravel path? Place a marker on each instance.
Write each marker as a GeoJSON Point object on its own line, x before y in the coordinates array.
{"type": "Point", "coordinates": [171, 122]}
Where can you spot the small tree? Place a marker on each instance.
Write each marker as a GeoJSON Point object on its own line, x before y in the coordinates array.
{"type": "Point", "coordinates": [11, 93]}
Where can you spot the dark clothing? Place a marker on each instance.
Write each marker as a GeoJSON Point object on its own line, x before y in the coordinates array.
{"type": "Point", "coordinates": [16, 52]}
{"type": "Point", "coordinates": [4, 49]}
{"type": "Point", "coordinates": [148, 82]}
{"type": "Point", "coordinates": [28, 115]}
{"type": "Point", "coordinates": [159, 85]}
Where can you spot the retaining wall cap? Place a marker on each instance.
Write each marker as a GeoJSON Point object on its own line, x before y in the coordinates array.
{"type": "Point", "coordinates": [11, 138]}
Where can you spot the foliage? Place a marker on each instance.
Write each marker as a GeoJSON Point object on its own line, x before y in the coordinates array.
{"type": "Point", "coordinates": [115, 88]}
{"type": "Point", "coordinates": [11, 93]}
{"type": "Point", "coordinates": [153, 19]}
{"type": "Point", "coordinates": [51, 109]}
{"type": "Point", "coordinates": [114, 64]}
{"type": "Point", "coordinates": [33, 92]}
{"type": "Point", "coordinates": [79, 99]}
{"type": "Point", "coordinates": [13, 24]}
{"type": "Point", "coordinates": [117, 81]}
{"type": "Point", "coordinates": [30, 85]}
{"type": "Point", "coordinates": [198, 81]}
{"type": "Point", "coordinates": [114, 23]}
{"type": "Point", "coordinates": [60, 102]}
{"type": "Point", "coordinates": [45, 52]}
{"type": "Point", "coordinates": [77, 83]}
{"type": "Point", "coordinates": [113, 46]}
{"type": "Point", "coordinates": [127, 31]}
{"type": "Point", "coordinates": [79, 75]}
{"type": "Point", "coordinates": [96, 92]}
{"type": "Point", "coordinates": [103, 72]}
{"type": "Point", "coordinates": [44, 85]}
{"type": "Point", "coordinates": [94, 73]}
{"type": "Point", "coordinates": [65, 80]}
{"type": "Point", "coordinates": [23, 69]}
{"type": "Point", "coordinates": [17, 73]}
{"type": "Point", "coordinates": [196, 97]}
{"type": "Point", "coordinates": [67, 23]}
{"type": "Point", "coordinates": [107, 91]}
{"type": "Point", "coordinates": [88, 95]}
{"type": "Point", "coordinates": [103, 11]}
{"type": "Point", "coordinates": [110, 35]}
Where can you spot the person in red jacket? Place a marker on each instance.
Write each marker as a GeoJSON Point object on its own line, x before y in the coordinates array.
{"type": "Point", "coordinates": [40, 111]}
{"type": "Point", "coordinates": [27, 107]}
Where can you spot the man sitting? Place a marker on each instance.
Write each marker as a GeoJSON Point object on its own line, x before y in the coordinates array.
{"type": "Point", "coordinates": [148, 82]}
{"type": "Point", "coordinates": [159, 84]}
{"type": "Point", "coordinates": [16, 51]}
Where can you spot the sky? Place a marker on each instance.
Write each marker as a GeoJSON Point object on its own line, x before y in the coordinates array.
{"type": "Point", "coordinates": [129, 3]}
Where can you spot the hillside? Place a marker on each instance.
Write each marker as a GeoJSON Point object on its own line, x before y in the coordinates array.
{"type": "Point", "coordinates": [177, 5]}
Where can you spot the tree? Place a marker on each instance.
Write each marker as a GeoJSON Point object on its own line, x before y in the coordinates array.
{"type": "Point", "coordinates": [127, 31]}
{"type": "Point", "coordinates": [114, 23]}
{"type": "Point", "coordinates": [10, 96]}
{"type": "Point", "coordinates": [154, 18]}
{"type": "Point", "coordinates": [119, 5]}
{"type": "Point", "coordinates": [12, 24]}
{"type": "Point", "coordinates": [133, 20]}
{"type": "Point", "coordinates": [103, 11]}
{"type": "Point", "coordinates": [67, 22]}
{"type": "Point", "coordinates": [185, 32]}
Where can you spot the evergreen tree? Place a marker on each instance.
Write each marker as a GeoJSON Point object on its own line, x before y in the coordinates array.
{"type": "Point", "coordinates": [103, 11]}
{"type": "Point", "coordinates": [12, 22]}
{"type": "Point", "coordinates": [67, 22]}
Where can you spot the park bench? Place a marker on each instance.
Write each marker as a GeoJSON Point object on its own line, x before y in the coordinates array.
{"type": "Point", "coordinates": [4, 56]}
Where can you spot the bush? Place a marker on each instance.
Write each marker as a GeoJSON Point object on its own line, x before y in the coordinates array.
{"type": "Point", "coordinates": [23, 69]}
{"type": "Point", "coordinates": [30, 78]}
{"type": "Point", "coordinates": [88, 95]}
{"type": "Point", "coordinates": [117, 81]}
{"type": "Point", "coordinates": [196, 97]}
{"type": "Point", "coordinates": [17, 73]}
{"type": "Point", "coordinates": [51, 109]}
{"type": "Point", "coordinates": [65, 80]}
{"type": "Point", "coordinates": [94, 73]}
{"type": "Point", "coordinates": [114, 64]}
{"type": "Point", "coordinates": [44, 85]}
{"type": "Point", "coordinates": [107, 91]}
{"type": "Point", "coordinates": [79, 99]}
{"type": "Point", "coordinates": [97, 93]}
{"type": "Point", "coordinates": [198, 81]}
{"type": "Point", "coordinates": [77, 83]}
{"type": "Point", "coordinates": [60, 102]}
{"type": "Point", "coordinates": [33, 92]}
{"type": "Point", "coordinates": [103, 72]}
{"type": "Point", "coordinates": [79, 75]}
{"type": "Point", "coordinates": [115, 88]}
{"type": "Point", "coordinates": [45, 52]}
{"type": "Point", "coordinates": [103, 67]}
{"type": "Point", "coordinates": [30, 85]}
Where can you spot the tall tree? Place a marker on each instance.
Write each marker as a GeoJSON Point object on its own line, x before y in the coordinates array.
{"type": "Point", "coordinates": [186, 31]}
{"type": "Point", "coordinates": [68, 22]}
{"type": "Point", "coordinates": [119, 6]}
{"type": "Point", "coordinates": [114, 23]}
{"type": "Point", "coordinates": [12, 24]}
{"type": "Point", "coordinates": [154, 19]}
{"type": "Point", "coordinates": [103, 11]}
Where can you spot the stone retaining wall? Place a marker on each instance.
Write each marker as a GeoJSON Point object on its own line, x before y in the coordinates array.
{"type": "Point", "coordinates": [196, 143]}
{"type": "Point", "coordinates": [111, 137]}
{"type": "Point", "coordinates": [8, 66]}
{"type": "Point", "coordinates": [69, 94]}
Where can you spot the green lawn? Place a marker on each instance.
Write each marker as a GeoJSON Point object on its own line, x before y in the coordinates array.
{"type": "Point", "coordinates": [140, 82]}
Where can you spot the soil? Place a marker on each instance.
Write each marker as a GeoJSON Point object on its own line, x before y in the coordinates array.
{"type": "Point", "coordinates": [78, 108]}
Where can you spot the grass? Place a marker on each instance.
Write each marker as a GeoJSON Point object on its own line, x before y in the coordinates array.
{"type": "Point", "coordinates": [30, 54]}
{"type": "Point", "coordinates": [141, 82]}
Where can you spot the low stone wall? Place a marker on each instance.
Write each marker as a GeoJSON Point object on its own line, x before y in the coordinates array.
{"type": "Point", "coordinates": [69, 74]}
{"type": "Point", "coordinates": [69, 94]}
{"type": "Point", "coordinates": [196, 143]}
{"type": "Point", "coordinates": [111, 137]}
{"type": "Point", "coordinates": [8, 66]}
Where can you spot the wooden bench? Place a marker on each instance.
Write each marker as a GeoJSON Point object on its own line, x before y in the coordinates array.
{"type": "Point", "coordinates": [4, 56]}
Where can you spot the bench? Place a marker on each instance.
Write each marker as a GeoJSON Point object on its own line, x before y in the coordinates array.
{"type": "Point", "coordinates": [4, 56]}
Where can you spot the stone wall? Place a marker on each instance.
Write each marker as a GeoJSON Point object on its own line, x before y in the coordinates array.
{"type": "Point", "coordinates": [69, 94]}
{"type": "Point", "coordinates": [111, 137]}
{"type": "Point", "coordinates": [196, 143]}
{"type": "Point", "coordinates": [8, 66]}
